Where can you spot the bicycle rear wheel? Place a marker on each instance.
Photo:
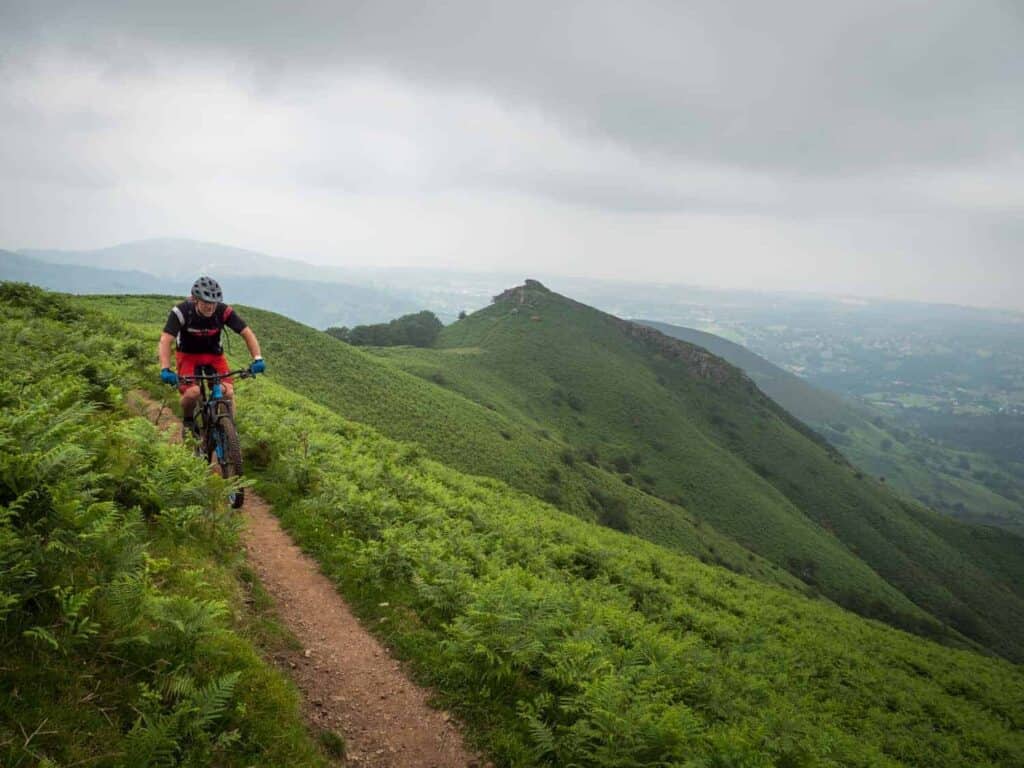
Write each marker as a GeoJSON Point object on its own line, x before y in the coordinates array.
{"type": "Point", "coordinates": [229, 454]}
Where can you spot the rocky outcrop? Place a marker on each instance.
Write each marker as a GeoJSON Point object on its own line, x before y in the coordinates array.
{"type": "Point", "coordinates": [520, 293]}
{"type": "Point", "coordinates": [697, 360]}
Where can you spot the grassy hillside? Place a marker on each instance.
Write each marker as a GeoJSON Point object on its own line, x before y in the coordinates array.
{"type": "Point", "coordinates": [686, 426]}
{"type": "Point", "coordinates": [472, 435]}
{"type": "Point", "coordinates": [130, 631]}
{"type": "Point", "coordinates": [565, 643]}
{"type": "Point", "coordinates": [573, 409]}
{"type": "Point", "coordinates": [968, 485]}
{"type": "Point", "coordinates": [562, 642]}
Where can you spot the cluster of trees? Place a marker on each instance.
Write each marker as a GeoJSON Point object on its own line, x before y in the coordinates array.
{"type": "Point", "coordinates": [416, 330]}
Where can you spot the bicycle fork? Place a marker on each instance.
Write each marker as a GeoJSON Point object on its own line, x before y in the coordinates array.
{"type": "Point", "coordinates": [214, 434]}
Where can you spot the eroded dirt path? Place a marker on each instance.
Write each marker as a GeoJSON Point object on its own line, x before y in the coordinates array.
{"type": "Point", "coordinates": [350, 683]}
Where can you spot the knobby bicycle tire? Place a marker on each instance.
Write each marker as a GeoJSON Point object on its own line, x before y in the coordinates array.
{"type": "Point", "coordinates": [231, 461]}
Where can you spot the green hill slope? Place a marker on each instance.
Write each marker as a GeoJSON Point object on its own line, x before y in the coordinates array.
{"type": "Point", "coordinates": [472, 435]}
{"type": "Point", "coordinates": [689, 427]}
{"type": "Point", "coordinates": [968, 485]}
{"type": "Point", "coordinates": [575, 409]}
{"type": "Point", "coordinates": [565, 643]}
{"type": "Point", "coordinates": [807, 402]}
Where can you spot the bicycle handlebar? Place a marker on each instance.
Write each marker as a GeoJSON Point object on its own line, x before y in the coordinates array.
{"type": "Point", "coordinates": [242, 373]}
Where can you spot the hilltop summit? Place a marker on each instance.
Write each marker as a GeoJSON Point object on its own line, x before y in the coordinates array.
{"type": "Point", "coordinates": [520, 294]}
{"type": "Point", "coordinates": [700, 362]}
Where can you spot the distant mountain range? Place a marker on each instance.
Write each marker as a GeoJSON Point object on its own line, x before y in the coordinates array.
{"type": "Point", "coordinates": [75, 278]}
{"type": "Point", "coordinates": [168, 267]}
{"type": "Point", "coordinates": [179, 259]}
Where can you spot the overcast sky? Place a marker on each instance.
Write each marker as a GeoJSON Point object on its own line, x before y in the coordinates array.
{"type": "Point", "coordinates": [860, 147]}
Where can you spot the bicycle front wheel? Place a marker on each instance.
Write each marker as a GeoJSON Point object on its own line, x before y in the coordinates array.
{"type": "Point", "coordinates": [229, 455]}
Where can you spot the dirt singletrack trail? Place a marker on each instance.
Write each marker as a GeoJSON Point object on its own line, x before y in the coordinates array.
{"type": "Point", "coordinates": [349, 682]}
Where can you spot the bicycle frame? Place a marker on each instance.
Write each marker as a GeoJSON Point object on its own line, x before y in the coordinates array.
{"type": "Point", "coordinates": [217, 433]}
{"type": "Point", "coordinates": [208, 401]}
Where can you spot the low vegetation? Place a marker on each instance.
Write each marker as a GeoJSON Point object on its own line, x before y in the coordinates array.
{"type": "Point", "coordinates": [716, 469]}
{"type": "Point", "coordinates": [124, 634]}
{"type": "Point", "coordinates": [566, 643]}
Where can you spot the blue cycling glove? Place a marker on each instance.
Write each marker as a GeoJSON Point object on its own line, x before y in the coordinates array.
{"type": "Point", "coordinates": [167, 376]}
{"type": "Point", "coordinates": [257, 366]}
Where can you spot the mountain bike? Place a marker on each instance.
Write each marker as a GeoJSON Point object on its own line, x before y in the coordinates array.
{"type": "Point", "coordinates": [214, 429]}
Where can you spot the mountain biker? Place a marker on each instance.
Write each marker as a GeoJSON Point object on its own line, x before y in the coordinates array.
{"type": "Point", "coordinates": [195, 325]}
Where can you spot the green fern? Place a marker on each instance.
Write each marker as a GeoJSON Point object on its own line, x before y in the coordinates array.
{"type": "Point", "coordinates": [212, 700]}
{"type": "Point", "coordinates": [43, 635]}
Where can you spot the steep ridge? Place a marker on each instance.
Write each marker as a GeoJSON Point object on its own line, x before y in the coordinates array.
{"type": "Point", "coordinates": [566, 643]}
{"type": "Point", "coordinates": [688, 426]}
{"type": "Point", "coordinates": [807, 402]}
{"type": "Point", "coordinates": [969, 486]}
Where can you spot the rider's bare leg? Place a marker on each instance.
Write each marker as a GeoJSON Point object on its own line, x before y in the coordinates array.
{"type": "Point", "coordinates": [189, 398]}
{"type": "Point", "coordinates": [229, 395]}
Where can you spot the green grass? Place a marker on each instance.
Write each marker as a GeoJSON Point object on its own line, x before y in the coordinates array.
{"type": "Point", "coordinates": [124, 630]}
{"type": "Point", "coordinates": [689, 427]}
{"type": "Point", "coordinates": [935, 475]}
{"type": "Point", "coordinates": [561, 642]}
{"type": "Point", "coordinates": [476, 436]}
{"type": "Point", "coordinates": [970, 486]}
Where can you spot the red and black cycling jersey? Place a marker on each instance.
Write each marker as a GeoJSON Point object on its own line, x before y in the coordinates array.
{"type": "Point", "coordinates": [198, 335]}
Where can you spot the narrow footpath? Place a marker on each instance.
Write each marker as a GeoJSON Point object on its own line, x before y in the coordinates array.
{"type": "Point", "coordinates": [349, 682]}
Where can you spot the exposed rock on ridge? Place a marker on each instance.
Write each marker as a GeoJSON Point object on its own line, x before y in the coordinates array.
{"type": "Point", "coordinates": [697, 360]}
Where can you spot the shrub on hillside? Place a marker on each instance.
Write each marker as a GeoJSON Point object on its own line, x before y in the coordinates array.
{"type": "Point", "coordinates": [622, 464]}
{"type": "Point", "coordinates": [416, 330]}
{"type": "Point", "coordinates": [611, 511]}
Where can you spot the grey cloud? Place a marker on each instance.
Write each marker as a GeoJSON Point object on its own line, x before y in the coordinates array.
{"type": "Point", "coordinates": [802, 139]}
{"type": "Point", "coordinates": [816, 88]}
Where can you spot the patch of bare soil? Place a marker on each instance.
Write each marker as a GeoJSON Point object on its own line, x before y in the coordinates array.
{"type": "Point", "coordinates": [350, 683]}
